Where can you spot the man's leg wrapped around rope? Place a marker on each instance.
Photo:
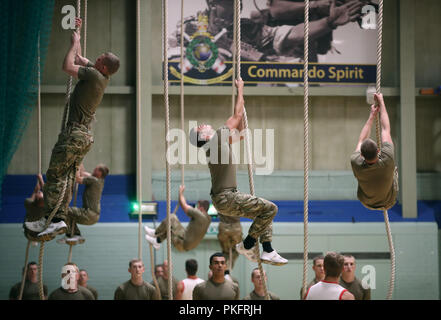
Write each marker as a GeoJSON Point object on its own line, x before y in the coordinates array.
{"type": "Point", "coordinates": [262, 212]}
{"type": "Point", "coordinates": [177, 234]}
{"type": "Point", "coordinates": [69, 151]}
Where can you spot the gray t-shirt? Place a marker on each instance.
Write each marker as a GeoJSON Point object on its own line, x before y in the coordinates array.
{"type": "Point", "coordinates": [92, 193]}
{"type": "Point", "coordinates": [376, 181]}
{"type": "Point", "coordinates": [222, 167]}
{"type": "Point", "coordinates": [87, 95]}
{"type": "Point", "coordinates": [81, 294]}
{"type": "Point", "coordinates": [209, 290]}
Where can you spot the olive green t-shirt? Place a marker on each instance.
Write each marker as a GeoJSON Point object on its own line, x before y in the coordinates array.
{"type": "Point", "coordinates": [92, 193]}
{"type": "Point", "coordinates": [163, 287]}
{"type": "Point", "coordinates": [209, 290]}
{"type": "Point", "coordinates": [254, 296]}
{"type": "Point", "coordinates": [87, 95]}
{"type": "Point", "coordinates": [33, 212]}
{"type": "Point", "coordinates": [93, 290]}
{"type": "Point", "coordinates": [81, 294]}
{"type": "Point", "coordinates": [376, 181]}
{"type": "Point", "coordinates": [356, 288]}
{"type": "Point", "coordinates": [129, 291]}
{"type": "Point", "coordinates": [31, 291]}
{"type": "Point", "coordinates": [197, 228]}
{"type": "Point", "coordinates": [221, 162]}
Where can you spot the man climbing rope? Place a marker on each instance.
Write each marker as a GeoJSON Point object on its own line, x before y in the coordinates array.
{"type": "Point", "coordinates": [183, 239]}
{"type": "Point", "coordinates": [376, 172]}
{"type": "Point", "coordinates": [89, 214]}
{"type": "Point", "coordinates": [226, 199]}
{"type": "Point", "coordinates": [76, 138]}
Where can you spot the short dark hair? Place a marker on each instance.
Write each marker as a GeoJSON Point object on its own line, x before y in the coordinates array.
{"type": "Point", "coordinates": [191, 266]}
{"type": "Point", "coordinates": [111, 61]}
{"type": "Point", "coordinates": [333, 264]}
{"type": "Point", "coordinates": [369, 149]}
{"type": "Point", "coordinates": [319, 257]}
{"type": "Point", "coordinates": [135, 260]}
{"type": "Point", "coordinates": [204, 204]}
{"type": "Point", "coordinates": [216, 254]}
{"type": "Point", "coordinates": [195, 138]}
{"type": "Point", "coordinates": [104, 170]}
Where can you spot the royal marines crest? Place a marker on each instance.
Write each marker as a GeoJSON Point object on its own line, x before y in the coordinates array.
{"type": "Point", "coordinates": [202, 54]}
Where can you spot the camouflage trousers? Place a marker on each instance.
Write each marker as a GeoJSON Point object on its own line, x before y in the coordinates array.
{"type": "Point", "coordinates": [68, 153]}
{"type": "Point", "coordinates": [228, 235]}
{"type": "Point", "coordinates": [74, 215]}
{"type": "Point", "coordinates": [230, 202]}
{"type": "Point", "coordinates": [177, 232]}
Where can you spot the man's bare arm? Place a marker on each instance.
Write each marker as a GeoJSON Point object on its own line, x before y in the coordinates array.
{"type": "Point", "coordinates": [366, 130]}
{"type": "Point", "coordinates": [384, 119]}
{"type": "Point", "coordinates": [182, 201]}
{"type": "Point", "coordinates": [69, 63]}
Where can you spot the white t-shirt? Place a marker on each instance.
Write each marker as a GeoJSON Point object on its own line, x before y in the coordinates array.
{"type": "Point", "coordinates": [325, 290]}
{"type": "Point", "coordinates": [189, 285]}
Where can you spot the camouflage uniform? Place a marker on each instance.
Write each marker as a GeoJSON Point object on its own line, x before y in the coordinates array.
{"type": "Point", "coordinates": [75, 140]}
{"type": "Point", "coordinates": [89, 214]}
{"type": "Point", "coordinates": [229, 233]}
{"type": "Point", "coordinates": [185, 239]}
{"type": "Point", "coordinates": [226, 199]}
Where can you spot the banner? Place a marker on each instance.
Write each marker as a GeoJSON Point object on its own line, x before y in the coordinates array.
{"type": "Point", "coordinates": [342, 42]}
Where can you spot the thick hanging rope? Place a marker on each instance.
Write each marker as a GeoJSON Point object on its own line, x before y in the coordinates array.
{"type": "Point", "coordinates": [379, 140]}
{"type": "Point", "coordinates": [182, 86]}
{"type": "Point", "coordinates": [63, 191]}
{"type": "Point", "coordinates": [25, 271]}
{"type": "Point", "coordinates": [245, 122]}
{"type": "Point", "coordinates": [167, 143]}
{"type": "Point", "coordinates": [139, 123]}
{"type": "Point", "coordinates": [305, 146]}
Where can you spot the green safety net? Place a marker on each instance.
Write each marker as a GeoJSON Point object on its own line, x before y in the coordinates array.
{"type": "Point", "coordinates": [25, 32]}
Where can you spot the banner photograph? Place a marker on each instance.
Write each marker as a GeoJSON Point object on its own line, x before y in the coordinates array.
{"type": "Point", "coordinates": [342, 42]}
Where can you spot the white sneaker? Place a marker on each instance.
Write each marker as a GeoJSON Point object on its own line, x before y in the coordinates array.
{"type": "Point", "coordinates": [54, 229]}
{"type": "Point", "coordinates": [75, 240]}
{"type": "Point", "coordinates": [36, 226]}
{"type": "Point", "coordinates": [149, 231]}
{"type": "Point", "coordinates": [273, 258]}
{"type": "Point", "coordinates": [152, 241]}
{"type": "Point", "coordinates": [250, 254]}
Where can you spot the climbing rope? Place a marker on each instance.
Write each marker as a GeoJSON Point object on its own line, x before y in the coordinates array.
{"type": "Point", "coordinates": [245, 123]}
{"type": "Point", "coordinates": [63, 191]}
{"type": "Point", "coordinates": [305, 146]}
{"type": "Point", "coordinates": [379, 140]}
{"type": "Point", "coordinates": [25, 271]}
{"type": "Point", "coordinates": [139, 123]}
{"type": "Point", "coordinates": [167, 143]}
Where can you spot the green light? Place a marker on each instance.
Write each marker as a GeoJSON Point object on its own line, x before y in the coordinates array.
{"type": "Point", "coordinates": [135, 206]}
